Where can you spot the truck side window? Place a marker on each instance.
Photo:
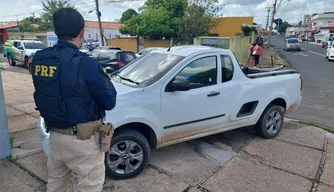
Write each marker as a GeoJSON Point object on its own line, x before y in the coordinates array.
{"type": "Point", "coordinates": [16, 44]}
{"type": "Point", "coordinates": [227, 68]}
{"type": "Point", "coordinates": [201, 72]}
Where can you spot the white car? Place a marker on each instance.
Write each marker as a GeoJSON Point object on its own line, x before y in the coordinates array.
{"type": "Point", "coordinates": [173, 95]}
{"type": "Point", "coordinates": [330, 51]}
{"type": "Point", "coordinates": [22, 50]}
{"type": "Point", "coordinates": [292, 44]}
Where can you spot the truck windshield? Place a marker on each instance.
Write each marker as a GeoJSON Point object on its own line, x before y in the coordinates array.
{"type": "Point", "coordinates": [150, 68]}
{"type": "Point", "coordinates": [35, 45]}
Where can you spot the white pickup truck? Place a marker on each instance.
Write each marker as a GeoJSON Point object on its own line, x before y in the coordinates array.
{"type": "Point", "coordinates": [173, 95]}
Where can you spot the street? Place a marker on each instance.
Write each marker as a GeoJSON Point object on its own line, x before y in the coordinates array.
{"type": "Point", "coordinates": [318, 99]}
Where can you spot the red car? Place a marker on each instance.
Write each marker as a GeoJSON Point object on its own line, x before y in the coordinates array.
{"type": "Point", "coordinates": [29, 64]}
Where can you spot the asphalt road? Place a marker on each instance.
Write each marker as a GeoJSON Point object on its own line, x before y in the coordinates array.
{"type": "Point", "coordinates": [318, 75]}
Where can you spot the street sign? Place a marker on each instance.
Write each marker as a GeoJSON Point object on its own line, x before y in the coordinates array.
{"type": "Point", "coordinates": [278, 21]}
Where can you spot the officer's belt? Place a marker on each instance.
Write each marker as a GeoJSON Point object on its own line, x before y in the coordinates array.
{"type": "Point", "coordinates": [67, 131]}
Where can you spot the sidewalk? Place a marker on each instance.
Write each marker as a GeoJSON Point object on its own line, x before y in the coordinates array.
{"type": "Point", "coordinates": [300, 158]}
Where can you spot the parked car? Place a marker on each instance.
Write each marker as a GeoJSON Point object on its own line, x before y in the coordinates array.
{"type": "Point", "coordinates": [93, 42]}
{"type": "Point", "coordinates": [147, 50]}
{"type": "Point", "coordinates": [112, 58]}
{"type": "Point", "coordinates": [187, 92]}
{"type": "Point", "coordinates": [292, 44]}
{"type": "Point", "coordinates": [330, 51]}
{"type": "Point", "coordinates": [326, 41]}
{"type": "Point", "coordinates": [21, 50]}
{"type": "Point", "coordinates": [310, 39]}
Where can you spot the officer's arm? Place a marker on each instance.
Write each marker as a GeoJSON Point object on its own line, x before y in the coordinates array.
{"type": "Point", "coordinates": [99, 83]}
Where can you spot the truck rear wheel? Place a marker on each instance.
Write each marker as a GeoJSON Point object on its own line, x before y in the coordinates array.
{"type": "Point", "coordinates": [26, 62]}
{"type": "Point", "coordinates": [270, 122]}
{"type": "Point", "coordinates": [10, 60]}
{"type": "Point", "coordinates": [128, 156]}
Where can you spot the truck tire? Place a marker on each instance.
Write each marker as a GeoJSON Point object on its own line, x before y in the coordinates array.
{"type": "Point", "coordinates": [128, 156]}
{"type": "Point", "coordinates": [10, 60]}
{"type": "Point", "coordinates": [26, 62]}
{"type": "Point", "coordinates": [270, 122]}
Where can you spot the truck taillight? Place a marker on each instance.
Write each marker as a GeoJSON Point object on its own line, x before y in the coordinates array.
{"type": "Point", "coordinates": [301, 83]}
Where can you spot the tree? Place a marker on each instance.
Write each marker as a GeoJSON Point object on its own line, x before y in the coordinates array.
{"type": "Point", "coordinates": [26, 24]}
{"type": "Point", "coordinates": [128, 14]}
{"type": "Point", "coordinates": [198, 19]}
{"type": "Point", "coordinates": [196, 22]}
{"type": "Point", "coordinates": [49, 7]}
{"type": "Point", "coordinates": [282, 28]}
{"type": "Point", "coordinates": [158, 19]}
{"type": "Point", "coordinates": [173, 19]}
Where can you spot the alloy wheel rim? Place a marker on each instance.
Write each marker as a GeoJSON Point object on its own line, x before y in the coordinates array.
{"type": "Point", "coordinates": [125, 157]}
{"type": "Point", "coordinates": [273, 122]}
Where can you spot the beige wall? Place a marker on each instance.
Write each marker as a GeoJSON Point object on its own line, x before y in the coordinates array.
{"type": "Point", "coordinates": [240, 46]}
{"type": "Point", "coordinates": [156, 43]}
{"type": "Point", "coordinates": [17, 35]}
{"type": "Point", "coordinates": [126, 44]}
{"type": "Point", "coordinates": [131, 44]}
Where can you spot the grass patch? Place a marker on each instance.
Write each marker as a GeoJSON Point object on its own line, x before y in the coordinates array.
{"type": "Point", "coordinates": [11, 140]}
{"type": "Point", "coordinates": [315, 125]}
{"type": "Point", "coordinates": [13, 160]}
{"type": "Point", "coordinates": [315, 180]}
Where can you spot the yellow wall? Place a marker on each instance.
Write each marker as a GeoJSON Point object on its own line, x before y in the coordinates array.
{"type": "Point", "coordinates": [231, 26]}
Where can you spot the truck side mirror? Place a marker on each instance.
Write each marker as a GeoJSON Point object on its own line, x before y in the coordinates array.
{"type": "Point", "coordinates": [20, 47]}
{"type": "Point", "coordinates": [179, 85]}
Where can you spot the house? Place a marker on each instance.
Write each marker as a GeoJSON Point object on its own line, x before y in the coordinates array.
{"type": "Point", "coordinates": [4, 30]}
{"type": "Point", "coordinates": [322, 23]}
{"type": "Point", "coordinates": [110, 30]}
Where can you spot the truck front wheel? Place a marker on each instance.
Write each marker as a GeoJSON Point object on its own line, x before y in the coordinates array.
{"type": "Point", "coordinates": [11, 60]}
{"type": "Point", "coordinates": [270, 122]}
{"type": "Point", "coordinates": [128, 156]}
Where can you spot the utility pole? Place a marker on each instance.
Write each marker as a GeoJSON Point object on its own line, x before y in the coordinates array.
{"type": "Point", "coordinates": [272, 21]}
{"type": "Point", "coordinates": [98, 13]}
{"type": "Point", "coordinates": [268, 18]}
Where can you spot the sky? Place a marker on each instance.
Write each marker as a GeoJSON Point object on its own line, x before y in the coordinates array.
{"type": "Point", "coordinates": [292, 11]}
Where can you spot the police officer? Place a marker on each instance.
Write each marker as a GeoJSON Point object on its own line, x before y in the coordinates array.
{"type": "Point", "coordinates": [72, 92]}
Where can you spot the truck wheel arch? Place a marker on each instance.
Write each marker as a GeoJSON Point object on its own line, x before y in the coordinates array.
{"type": "Point", "coordinates": [143, 128]}
{"type": "Point", "coordinates": [279, 102]}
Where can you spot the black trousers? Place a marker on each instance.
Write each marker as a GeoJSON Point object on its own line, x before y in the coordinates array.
{"type": "Point", "coordinates": [257, 59]}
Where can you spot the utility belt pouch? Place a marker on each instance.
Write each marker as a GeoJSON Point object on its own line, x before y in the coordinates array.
{"type": "Point", "coordinates": [86, 130]}
{"type": "Point", "coordinates": [106, 133]}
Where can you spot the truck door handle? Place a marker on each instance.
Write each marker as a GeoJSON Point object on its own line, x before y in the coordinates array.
{"type": "Point", "coordinates": [213, 94]}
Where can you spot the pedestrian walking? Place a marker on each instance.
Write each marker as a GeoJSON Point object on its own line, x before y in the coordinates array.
{"type": "Point", "coordinates": [251, 56]}
{"type": "Point", "coordinates": [257, 52]}
{"type": "Point", "coordinates": [72, 92]}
